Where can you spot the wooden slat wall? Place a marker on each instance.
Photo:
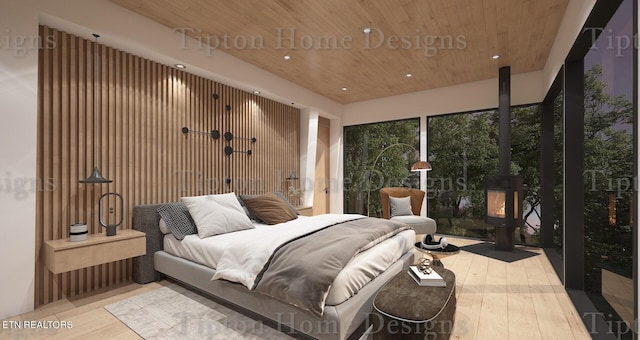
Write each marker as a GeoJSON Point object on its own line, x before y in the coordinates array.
{"type": "Point", "coordinates": [143, 106]}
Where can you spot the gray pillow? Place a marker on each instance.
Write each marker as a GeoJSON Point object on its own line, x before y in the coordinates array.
{"type": "Point", "coordinates": [400, 206]}
{"type": "Point", "coordinates": [178, 220]}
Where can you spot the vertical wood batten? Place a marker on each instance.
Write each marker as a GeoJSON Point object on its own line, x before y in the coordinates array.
{"type": "Point", "coordinates": [142, 106]}
{"type": "Point", "coordinates": [70, 206]}
{"type": "Point", "coordinates": [115, 108]}
{"type": "Point", "coordinates": [65, 285]}
{"type": "Point", "coordinates": [39, 271]}
{"type": "Point", "coordinates": [55, 151]}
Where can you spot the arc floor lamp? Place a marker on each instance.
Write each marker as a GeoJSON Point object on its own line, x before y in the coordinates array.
{"type": "Point", "coordinates": [417, 166]}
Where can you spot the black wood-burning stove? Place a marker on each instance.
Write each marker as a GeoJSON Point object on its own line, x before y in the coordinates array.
{"type": "Point", "coordinates": [503, 207]}
{"type": "Point", "coordinates": [503, 193]}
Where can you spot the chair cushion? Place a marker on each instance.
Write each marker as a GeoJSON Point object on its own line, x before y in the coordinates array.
{"type": "Point", "coordinates": [400, 206]}
{"type": "Point", "coordinates": [421, 224]}
{"type": "Point", "coordinates": [416, 197]}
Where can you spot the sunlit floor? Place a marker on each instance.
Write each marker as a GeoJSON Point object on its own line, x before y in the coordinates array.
{"type": "Point", "coordinates": [618, 291]}
{"type": "Point", "coordinates": [523, 299]}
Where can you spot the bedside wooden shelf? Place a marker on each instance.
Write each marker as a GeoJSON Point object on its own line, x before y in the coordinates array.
{"type": "Point", "coordinates": [305, 211]}
{"type": "Point", "coordinates": [63, 255]}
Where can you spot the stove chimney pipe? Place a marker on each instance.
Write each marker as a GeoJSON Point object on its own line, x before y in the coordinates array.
{"type": "Point", "coordinates": [504, 110]}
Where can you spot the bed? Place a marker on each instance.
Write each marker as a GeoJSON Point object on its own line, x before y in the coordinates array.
{"type": "Point", "coordinates": [345, 306]}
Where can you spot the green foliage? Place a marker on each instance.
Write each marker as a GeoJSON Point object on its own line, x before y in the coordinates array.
{"type": "Point", "coordinates": [465, 146]}
{"type": "Point", "coordinates": [363, 143]}
{"type": "Point", "coordinates": [525, 149]}
{"type": "Point", "coordinates": [463, 149]}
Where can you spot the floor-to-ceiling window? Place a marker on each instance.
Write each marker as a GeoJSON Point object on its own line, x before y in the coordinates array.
{"type": "Point", "coordinates": [378, 155]}
{"type": "Point", "coordinates": [463, 150]}
{"type": "Point", "coordinates": [608, 165]}
{"type": "Point", "coordinates": [593, 170]}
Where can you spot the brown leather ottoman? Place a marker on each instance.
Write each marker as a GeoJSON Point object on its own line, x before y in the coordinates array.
{"type": "Point", "coordinates": [404, 310]}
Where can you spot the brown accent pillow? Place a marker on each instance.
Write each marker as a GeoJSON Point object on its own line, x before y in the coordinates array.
{"type": "Point", "coordinates": [270, 209]}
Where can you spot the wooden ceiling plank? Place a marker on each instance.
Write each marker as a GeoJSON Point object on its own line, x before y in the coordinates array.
{"type": "Point", "coordinates": [521, 31]}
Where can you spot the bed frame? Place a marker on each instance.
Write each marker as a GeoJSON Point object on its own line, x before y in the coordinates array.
{"type": "Point", "coordinates": [337, 322]}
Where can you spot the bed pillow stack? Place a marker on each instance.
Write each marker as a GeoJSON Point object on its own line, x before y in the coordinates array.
{"type": "Point", "coordinates": [211, 215]}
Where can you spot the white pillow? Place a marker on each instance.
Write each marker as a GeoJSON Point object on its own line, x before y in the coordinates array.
{"type": "Point", "coordinates": [217, 214]}
{"type": "Point", "coordinates": [400, 206]}
{"type": "Point", "coordinates": [164, 228]}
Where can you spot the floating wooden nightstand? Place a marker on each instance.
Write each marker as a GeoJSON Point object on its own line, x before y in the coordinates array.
{"type": "Point", "coordinates": [63, 255]}
{"type": "Point", "coordinates": [305, 211]}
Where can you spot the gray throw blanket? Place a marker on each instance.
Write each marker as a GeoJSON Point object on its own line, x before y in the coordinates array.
{"type": "Point", "coordinates": [301, 271]}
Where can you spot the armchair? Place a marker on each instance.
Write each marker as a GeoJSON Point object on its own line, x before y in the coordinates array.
{"type": "Point", "coordinates": [421, 224]}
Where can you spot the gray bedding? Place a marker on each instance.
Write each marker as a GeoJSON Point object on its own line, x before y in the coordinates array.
{"type": "Point", "coordinates": [295, 276]}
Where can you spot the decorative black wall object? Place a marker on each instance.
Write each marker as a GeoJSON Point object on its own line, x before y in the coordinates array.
{"type": "Point", "coordinates": [215, 134]}
{"type": "Point", "coordinates": [228, 137]}
{"type": "Point", "coordinates": [228, 149]}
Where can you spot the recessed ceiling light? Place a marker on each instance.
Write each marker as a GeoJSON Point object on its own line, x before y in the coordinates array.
{"type": "Point", "coordinates": [495, 57]}
{"type": "Point", "coordinates": [408, 75]}
{"type": "Point", "coordinates": [180, 66]}
{"type": "Point", "coordinates": [366, 30]}
{"type": "Point", "coordinates": [256, 92]}
{"type": "Point", "coordinates": [344, 89]}
{"type": "Point", "coordinates": [287, 57]}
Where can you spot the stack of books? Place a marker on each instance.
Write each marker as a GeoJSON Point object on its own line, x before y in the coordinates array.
{"type": "Point", "coordinates": [432, 279]}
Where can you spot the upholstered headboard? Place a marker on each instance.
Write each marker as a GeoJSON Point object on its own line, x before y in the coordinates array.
{"type": "Point", "coordinates": [147, 219]}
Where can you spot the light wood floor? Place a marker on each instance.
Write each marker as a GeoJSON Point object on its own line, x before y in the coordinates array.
{"type": "Point", "coordinates": [496, 300]}
{"type": "Point", "coordinates": [518, 300]}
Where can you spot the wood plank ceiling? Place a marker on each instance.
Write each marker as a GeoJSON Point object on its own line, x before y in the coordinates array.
{"type": "Point", "coordinates": [439, 42]}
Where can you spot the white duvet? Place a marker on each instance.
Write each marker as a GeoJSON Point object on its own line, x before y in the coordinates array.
{"type": "Point", "coordinates": [242, 260]}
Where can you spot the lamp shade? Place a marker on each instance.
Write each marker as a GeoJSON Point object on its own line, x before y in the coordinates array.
{"type": "Point", "coordinates": [421, 166]}
{"type": "Point", "coordinates": [95, 178]}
